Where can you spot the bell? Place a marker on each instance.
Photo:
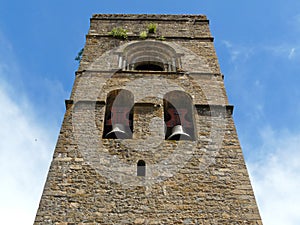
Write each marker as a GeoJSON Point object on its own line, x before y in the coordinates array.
{"type": "Point", "coordinates": [179, 134]}
{"type": "Point", "coordinates": [117, 132]}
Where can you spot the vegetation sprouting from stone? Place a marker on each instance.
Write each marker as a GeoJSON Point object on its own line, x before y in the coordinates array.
{"type": "Point", "coordinates": [119, 33]}
{"type": "Point", "coordinates": [152, 28]}
{"type": "Point", "coordinates": [79, 55]}
{"type": "Point", "coordinates": [161, 38]}
{"type": "Point", "coordinates": [143, 35]}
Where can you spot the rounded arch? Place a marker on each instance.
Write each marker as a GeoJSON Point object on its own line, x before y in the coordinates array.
{"type": "Point", "coordinates": [119, 114]}
{"type": "Point", "coordinates": [119, 97]}
{"type": "Point", "coordinates": [151, 53]}
{"type": "Point", "coordinates": [178, 116]}
{"type": "Point", "coordinates": [141, 168]}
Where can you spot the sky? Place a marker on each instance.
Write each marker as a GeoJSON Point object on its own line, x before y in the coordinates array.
{"type": "Point", "coordinates": [258, 46]}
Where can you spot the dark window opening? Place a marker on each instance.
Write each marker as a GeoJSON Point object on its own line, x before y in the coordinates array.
{"type": "Point", "coordinates": [150, 66]}
{"type": "Point", "coordinates": [119, 115]}
{"type": "Point", "coordinates": [141, 168]}
{"type": "Point", "coordinates": [178, 116]}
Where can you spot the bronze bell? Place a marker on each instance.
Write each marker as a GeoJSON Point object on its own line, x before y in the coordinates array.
{"type": "Point", "coordinates": [179, 134]}
{"type": "Point", "coordinates": [118, 131]}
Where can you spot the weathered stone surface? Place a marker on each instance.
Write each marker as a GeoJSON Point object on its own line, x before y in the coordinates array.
{"type": "Point", "coordinates": [93, 180]}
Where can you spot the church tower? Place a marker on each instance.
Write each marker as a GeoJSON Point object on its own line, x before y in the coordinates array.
{"type": "Point", "coordinates": [148, 135]}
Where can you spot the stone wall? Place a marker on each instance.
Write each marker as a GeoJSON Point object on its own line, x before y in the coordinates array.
{"type": "Point", "coordinates": [93, 180]}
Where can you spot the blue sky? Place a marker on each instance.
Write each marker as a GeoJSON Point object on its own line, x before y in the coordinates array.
{"type": "Point", "coordinates": [258, 47]}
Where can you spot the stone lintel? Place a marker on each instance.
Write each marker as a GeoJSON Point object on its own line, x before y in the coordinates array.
{"type": "Point", "coordinates": [69, 103]}
{"type": "Point", "coordinates": [214, 110]}
{"type": "Point", "coordinates": [120, 71]}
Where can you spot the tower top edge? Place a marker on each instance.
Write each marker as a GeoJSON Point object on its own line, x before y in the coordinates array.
{"type": "Point", "coordinates": [150, 17]}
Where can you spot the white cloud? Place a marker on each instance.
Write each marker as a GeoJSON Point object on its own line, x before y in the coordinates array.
{"type": "Point", "coordinates": [285, 50]}
{"type": "Point", "coordinates": [276, 178]}
{"type": "Point", "coordinates": [292, 53]}
{"type": "Point", "coordinates": [25, 151]}
{"type": "Point", "coordinates": [238, 52]}
{"type": "Point", "coordinates": [242, 53]}
{"type": "Point", "coordinates": [26, 147]}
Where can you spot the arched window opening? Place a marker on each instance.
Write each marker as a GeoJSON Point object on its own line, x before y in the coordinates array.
{"type": "Point", "coordinates": [149, 66]}
{"type": "Point", "coordinates": [141, 168]}
{"type": "Point", "coordinates": [119, 115]}
{"type": "Point", "coordinates": [149, 56]}
{"type": "Point", "coordinates": [178, 116]}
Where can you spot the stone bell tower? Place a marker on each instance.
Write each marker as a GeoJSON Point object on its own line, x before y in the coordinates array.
{"type": "Point", "coordinates": [148, 135]}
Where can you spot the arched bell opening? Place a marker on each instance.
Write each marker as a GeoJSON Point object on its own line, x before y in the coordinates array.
{"type": "Point", "coordinates": [178, 116]}
{"type": "Point", "coordinates": [118, 122]}
{"type": "Point", "coordinates": [141, 168]}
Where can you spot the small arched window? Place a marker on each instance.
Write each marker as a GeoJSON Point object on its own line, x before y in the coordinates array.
{"type": "Point", "coordinates": [178, 116]}
{"type": "Point", "coordinates": [149, 56]}
{"type": "Point", "coordinates": [119, 115]}
{"type": "Point", "coordinates": [141, 168]}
